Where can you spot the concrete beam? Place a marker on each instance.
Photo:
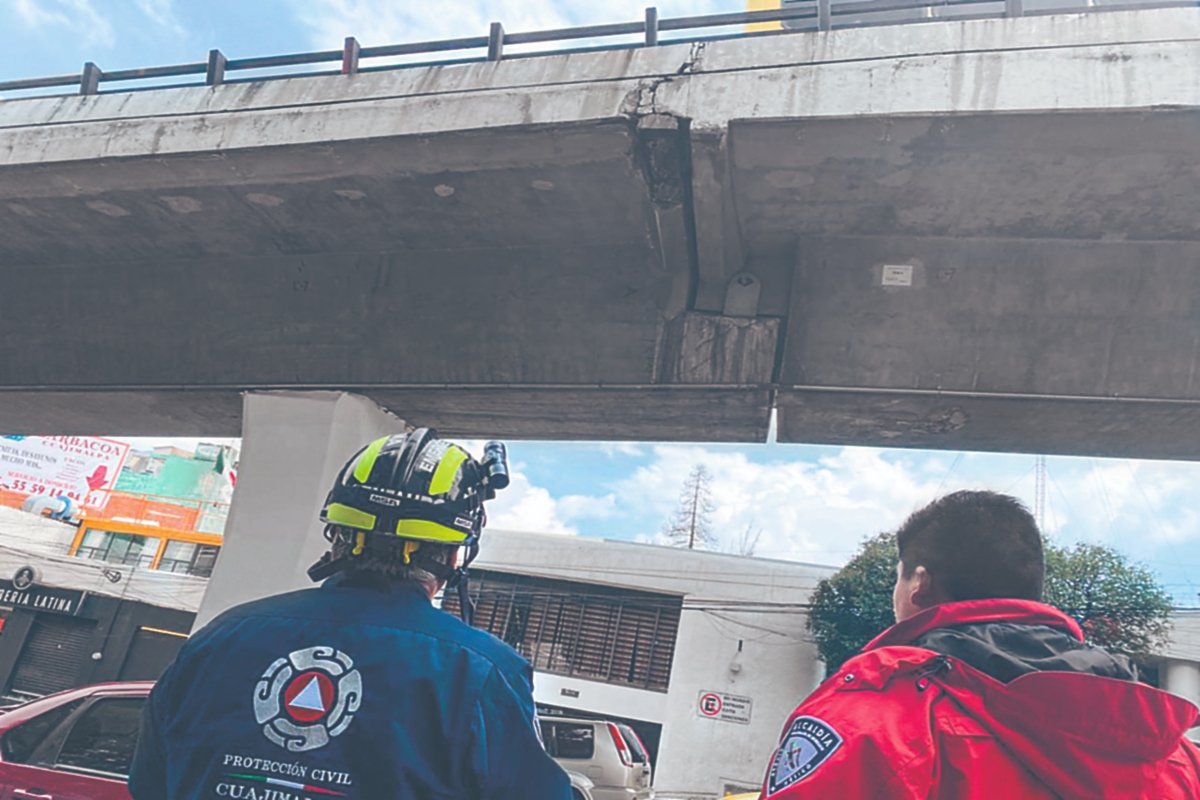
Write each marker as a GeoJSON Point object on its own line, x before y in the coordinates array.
{"type": "Point", "coordinates": [1113, 427]}
{"type": "Point", "coordinates": [720, 248]}
{"type": "Point", "coordinates": [1133, 59]}
{"type": "Point", "coordinates": [541, 231]}
{"type": "Point", "coordinates": [599, 413]}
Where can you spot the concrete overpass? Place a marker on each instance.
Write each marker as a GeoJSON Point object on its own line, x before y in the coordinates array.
{"type": "Point", "coordinates": [958, 234]}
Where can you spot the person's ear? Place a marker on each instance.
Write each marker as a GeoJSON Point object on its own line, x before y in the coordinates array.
{"type": "Point", "coordinates": [925, 592]}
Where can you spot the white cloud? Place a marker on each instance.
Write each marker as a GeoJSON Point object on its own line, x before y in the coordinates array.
{"type": "Point", "coordinates": [34, 15]}
{"type": "Point", "coordinates": [578, 506]}
{"type": "Point", "coordinates": [525, 507]}
{"type": "Point", "coordinates": [813, 512]}
{"type": "Point", "coordinates": [612, 449]}
{"type": "Point", "coordinates": [78, 17]}
{"type": "Point", "coordinates": [161, 13]}
{"type": "Point", "coordinates": [376, 22]}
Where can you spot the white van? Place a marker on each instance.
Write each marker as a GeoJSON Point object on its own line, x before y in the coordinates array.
{"type": "Point", "coordinates": [609, 753]}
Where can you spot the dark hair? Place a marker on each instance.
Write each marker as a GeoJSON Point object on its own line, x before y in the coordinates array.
{"type": "Point", "coordinates": [976, 545]}
{"type": "Point", "coordinates": [385, 556]}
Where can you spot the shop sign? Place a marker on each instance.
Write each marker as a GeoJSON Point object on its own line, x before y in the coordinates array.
{"type": "Point", "coordinates": [22, 592]}
{"type": "Point", "coordinates": [724, 707]}
{"type": "Point", "coordinates": [76, 467]}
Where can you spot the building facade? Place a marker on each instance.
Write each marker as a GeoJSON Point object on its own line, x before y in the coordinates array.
{"type": "Point", "coordinates": [69, 620]}
{"type": "Point", "coordinates": [704, 654]}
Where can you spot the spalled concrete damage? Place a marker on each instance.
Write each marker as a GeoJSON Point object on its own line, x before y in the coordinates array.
{"type": "Point", "coordinates": [967, 234]}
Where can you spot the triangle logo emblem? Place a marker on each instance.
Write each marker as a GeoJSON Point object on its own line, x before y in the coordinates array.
{"type": "Point", "coordinates": [309, 697]}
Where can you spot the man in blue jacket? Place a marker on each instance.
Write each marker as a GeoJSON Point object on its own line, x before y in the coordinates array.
{"type": "Point", "coordinates": [359, 689]}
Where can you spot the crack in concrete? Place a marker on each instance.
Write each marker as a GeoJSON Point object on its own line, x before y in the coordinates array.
{"type": "Point", "coordinates": [643, 101]}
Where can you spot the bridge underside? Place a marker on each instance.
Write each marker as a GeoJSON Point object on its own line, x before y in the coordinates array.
{"type": "Point", "coordinates": [1021, 281]}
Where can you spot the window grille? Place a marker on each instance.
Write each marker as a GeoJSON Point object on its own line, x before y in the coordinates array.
{"type": "Point", "coordinates": [619, 636]}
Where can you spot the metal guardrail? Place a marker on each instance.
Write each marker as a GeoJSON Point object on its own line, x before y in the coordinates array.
{"type": "Point", "coordinates": [795, 15]}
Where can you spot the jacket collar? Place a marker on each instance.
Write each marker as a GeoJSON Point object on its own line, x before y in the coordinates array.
{"type": "Point", "coordinates": [377, 583]}
{"type": "Point", "coordinates": [1020, 612]}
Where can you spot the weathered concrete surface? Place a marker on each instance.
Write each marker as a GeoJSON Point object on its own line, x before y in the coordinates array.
{"type": "Point", "coordinates": [544, 246]}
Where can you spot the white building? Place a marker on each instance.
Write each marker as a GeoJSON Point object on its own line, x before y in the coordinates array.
{"type": "Point", "coordinates": [1179, 668]}
{"type": "Point", "coordinates": [643, 633]}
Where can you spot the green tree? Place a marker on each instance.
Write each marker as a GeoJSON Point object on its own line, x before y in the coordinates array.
{"type": "Point", "coordinates": [1118, 603]}
{"type": "Point", "coordinates": [854, 605]}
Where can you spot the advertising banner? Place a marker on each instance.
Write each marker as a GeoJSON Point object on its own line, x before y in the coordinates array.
{"type": "Point", "coordinates": [76, 467]}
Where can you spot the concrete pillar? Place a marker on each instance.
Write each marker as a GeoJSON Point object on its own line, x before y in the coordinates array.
{"type": "Point", "coordinates": [293, 445]}
{"type": "Point", "coordinates": [1182, 678]}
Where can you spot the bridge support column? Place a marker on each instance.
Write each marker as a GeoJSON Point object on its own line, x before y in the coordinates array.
{"type": "Point", "coordinates": [293, 445]}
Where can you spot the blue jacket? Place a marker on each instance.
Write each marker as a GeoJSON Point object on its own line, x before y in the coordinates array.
{"type": "Point", "coordinates": [359, 690]}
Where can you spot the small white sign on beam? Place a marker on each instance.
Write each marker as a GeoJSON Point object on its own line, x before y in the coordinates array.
{"type": "Point", "coordinates": [897, 275]}
{"type": "Point", "coordinates": [724, 707]}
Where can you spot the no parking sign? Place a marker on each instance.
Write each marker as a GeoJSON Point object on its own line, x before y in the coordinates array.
{"type": "Point", "coordinates": [724, 707]}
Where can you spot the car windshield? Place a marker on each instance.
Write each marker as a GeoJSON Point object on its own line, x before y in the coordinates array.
{"type": "Point", "coordinates": [635, 744]}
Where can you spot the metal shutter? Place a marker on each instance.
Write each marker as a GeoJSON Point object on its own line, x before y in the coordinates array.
{"type": "Point", "coordinates": [620, 636]}
{"type": "Point", "coordinates": [53, 653]}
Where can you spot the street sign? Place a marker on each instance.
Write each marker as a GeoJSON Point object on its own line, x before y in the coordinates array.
{"type": "Point", "coordinates": [724, 707]}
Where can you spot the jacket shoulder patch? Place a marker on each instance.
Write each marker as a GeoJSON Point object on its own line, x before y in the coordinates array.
{"type": "Point", "coordinates": [809, 741]}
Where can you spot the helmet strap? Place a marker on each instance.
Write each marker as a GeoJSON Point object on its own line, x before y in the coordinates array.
{"type": "Point", "coordinates": [326, 567]}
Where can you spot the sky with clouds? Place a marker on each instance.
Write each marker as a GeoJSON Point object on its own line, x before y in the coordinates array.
{"type": "Point", "coordinates": [811, 503]}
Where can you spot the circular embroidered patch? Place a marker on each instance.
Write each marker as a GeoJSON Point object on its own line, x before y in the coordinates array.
{"type": "Point", "coordinates": [304, 700]}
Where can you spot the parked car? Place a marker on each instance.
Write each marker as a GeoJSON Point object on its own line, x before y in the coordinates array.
{"type": "Point", "coordinates": [78, 745]}
{"type": "Point", "coordinates": [581, 786]}
{"type": "Point", "coordinates": [74, 745]}
{"type": "Point", "coordinates": [609, 753]}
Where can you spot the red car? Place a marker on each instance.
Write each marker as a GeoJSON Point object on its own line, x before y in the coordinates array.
{"type": "Point", "coordinates": [74, 745]}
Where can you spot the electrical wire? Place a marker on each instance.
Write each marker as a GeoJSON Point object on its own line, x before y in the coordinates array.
{"type": "Point", "coordinates": [946, 477]}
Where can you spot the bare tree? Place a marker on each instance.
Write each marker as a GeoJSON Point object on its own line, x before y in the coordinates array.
{"type": "Point", "coordinates": [690, 527]}
{"type": "Point", "coordinates": [747, 541]}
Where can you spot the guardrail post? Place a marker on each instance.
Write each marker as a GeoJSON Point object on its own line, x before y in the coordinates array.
{"type": "Point", "coordinates": [1013, 8]}
{"type": "Point", "coordinates": [350, 56]}
{"type": "Point", "coordinates": [651, 27]}
{"type": "Point", "coordinates": [215, 75]}
{"type": "Point", "coordinates": [89, 80]}
{"type": "Point", "coordinates": [824, 15]}
{"type": "Point", "coordinates": [496, 42]}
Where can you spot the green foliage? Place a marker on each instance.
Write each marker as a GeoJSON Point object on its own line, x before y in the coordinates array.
{"type": "Point", "coordinates": [1118, 604]}
{"type": "Point", "coordinates": [853, 606]}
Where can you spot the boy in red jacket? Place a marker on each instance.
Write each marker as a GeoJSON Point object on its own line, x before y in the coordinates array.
{"type": "Point", "coordinates": [980, 691]}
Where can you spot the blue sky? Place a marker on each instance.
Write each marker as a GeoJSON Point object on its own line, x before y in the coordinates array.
{"type": "Point", "coordinates": [812, 503]}
{"type": "Point", "coordinates": [53, 37]}
{"type": "Point", "coordinates": [816, 503]}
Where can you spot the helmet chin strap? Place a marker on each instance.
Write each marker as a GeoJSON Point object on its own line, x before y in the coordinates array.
{"type": "Point", "coordinates": [456, 578]}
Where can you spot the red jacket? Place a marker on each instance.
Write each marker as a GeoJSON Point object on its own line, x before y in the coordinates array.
{"type": "Point", "coordinates": [899, 721]}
